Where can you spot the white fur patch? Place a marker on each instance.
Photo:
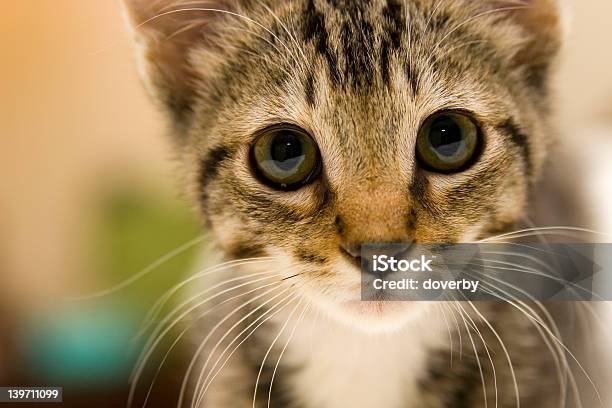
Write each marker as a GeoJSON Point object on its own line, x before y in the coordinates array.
{"type": "Point", "coordinates": [342, 366]}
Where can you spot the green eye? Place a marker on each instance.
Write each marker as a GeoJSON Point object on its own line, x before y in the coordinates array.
{"type": "Point", "coordinates": [285, 157]}
{"type": "Point", "coordinates": [447, 142]}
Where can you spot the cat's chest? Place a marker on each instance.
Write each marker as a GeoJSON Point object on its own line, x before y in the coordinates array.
{"type": "Point", "coordinates": [337, 367]}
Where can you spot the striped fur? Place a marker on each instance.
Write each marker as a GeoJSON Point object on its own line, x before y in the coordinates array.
{"type": "Point", "coordinates": [361, 77]}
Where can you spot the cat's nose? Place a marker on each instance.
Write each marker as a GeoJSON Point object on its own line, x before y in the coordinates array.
{"type": "Point", "coordinates": [352, 251]}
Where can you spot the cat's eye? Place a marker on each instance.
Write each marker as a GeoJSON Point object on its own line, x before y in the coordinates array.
{"type": "Point", "coordinates": [448, 142]}
{"type": "Point", "coordinates": [285, 157]}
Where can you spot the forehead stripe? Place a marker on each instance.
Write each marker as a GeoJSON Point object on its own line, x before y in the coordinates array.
{"type": "Point", "coordinates": [314, 30]}
{"type": "Point", "coordinates": [309, 89]}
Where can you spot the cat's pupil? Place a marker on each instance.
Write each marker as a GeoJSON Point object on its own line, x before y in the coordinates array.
{"type": "Point", "coordinates": [286, 150]}
{"type": "Point", "coordinates": [446, 137]}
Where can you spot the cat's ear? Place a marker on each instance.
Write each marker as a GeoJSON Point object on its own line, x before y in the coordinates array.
{"type": "Point", "coordinates": [542, 25]}
{"type": "Point", "coordinates": [167, 33]}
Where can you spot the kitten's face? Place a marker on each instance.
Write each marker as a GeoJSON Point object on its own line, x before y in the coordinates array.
{"type": "Point", "coordinates": [350, 89]}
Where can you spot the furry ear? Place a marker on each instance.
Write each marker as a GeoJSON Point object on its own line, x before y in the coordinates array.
{"type": "Point", "coordinates": [167, 32]}
{"type": "Point", "coordinates": [542, 21]}
{"type": "Point", "coordinates": [542, 24]}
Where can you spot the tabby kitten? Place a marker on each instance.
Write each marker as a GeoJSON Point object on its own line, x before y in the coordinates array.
{"type": "Point", "coordinates": [308, 127]}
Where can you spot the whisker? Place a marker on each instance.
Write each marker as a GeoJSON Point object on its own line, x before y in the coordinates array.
{"type": "Point", "coordinates": [139, 275]}
{"type": "Point", "coordinates": [530, 247]}
{"type": "Point", "coordinates": [160, 334]}
{"type": "Point", "coordinates": [556, 352]}
{"type": "Point", "coordinates": [484, 343]}
{"type": "Point", "coordinates": [530, 271]}
{"type": "Point", "coordinates": [450, 335]}
{"type": "Point", "coordinates": [545, 335]}
{"type": "Point", "coordinates": [289, 74]}
{"type": "Point", "coordinates": [237, 337]}
{"type": "Point", "coordinates": [154, 338]}
{"type": "Point", "coordinates": [202, 383]}
{"type": "Point", "coordinates": [279, 21]}
{"type": "Point", "coordinates": [484, 387]}
{"type": "Point", "coordinates": [159, 304]}
{"type": "Point", "coordinates": [523, 269]}
{"type": "Point", "coordinates": [263, 361]}
{"type": "Point", "coordinates": [184, 331]}
{"type": "Point", "coordinates": [193, 361]}
{"type": "Point", "coordinates": [458, 330]}
{"type": "Point", "coordinates": [506, 353]}
{"type": "Point", "coordinates": [214, 10]}
{"type": "Point", "coordinates": [433, 12]}
{"type": "Point", "coordinates": [279, 308]}
{"type": "Point", "coordinates": [541, 230]}
{"type": "Point", "coordinates": [306, 307]}
{"type": "Point", "coordinates": [553, 337]}
{"type": "Point", "coordinates": [469, 20]}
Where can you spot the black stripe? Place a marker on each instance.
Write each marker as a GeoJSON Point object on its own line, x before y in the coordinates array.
{"type": "Point", "coordinates": [454, 387]}
{"type": "Point", "coordinates": [309, 257]}
{"type": "Point", "coordinates": [384, 63]}
{"type": "Point", "coordinates": [309, 90]}
{"type": "Point", "coordinates": [419, 191]}
{"type": "Point", "coordinates": [467, 385]}
{"type": "Point", "coordinates": [356, 37]}
{"type": "Point", "coordinates": [180, 107]}
{"type": "Point", "coordinates": [243, 250]}
{"type": "Point", "coordinates": [519, 139]}
{"type": "Point", "coordinates": [210, 164]}
{"type": "Point", "coordinates": [478, 187]}
{"type": "Point", "coordinates": [260, 207]}
{"type": "Point", "coordinates": [393, 29]}
{"type": "Point", "coordinates": [478, 184]}
{"type": "Point", "coordinates": [411, 221]}
{"type": "Point", "coordinates": [351, 8]}
{"type": "Point", "coordinates": [419, 187]}
{"type": "Point", "coordinates": [413, 79]}
{"type": "Point", "coordinates": [314, 30]}
{"type": "Point", "coordinates": [394, 16]}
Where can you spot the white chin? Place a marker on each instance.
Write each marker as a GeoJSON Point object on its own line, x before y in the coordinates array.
{"type": "Point", "coordinates": [376, 316]}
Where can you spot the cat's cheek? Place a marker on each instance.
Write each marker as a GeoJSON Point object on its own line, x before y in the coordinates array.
{"type": "Point", "coordinates": [472, 233]}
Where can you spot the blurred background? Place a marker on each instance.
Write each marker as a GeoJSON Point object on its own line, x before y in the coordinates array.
{"type": "Point", "coordinates": [88, 198]}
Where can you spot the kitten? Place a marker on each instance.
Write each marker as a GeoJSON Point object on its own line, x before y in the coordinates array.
{"type": "Point", "coordinates": [308, 127]}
